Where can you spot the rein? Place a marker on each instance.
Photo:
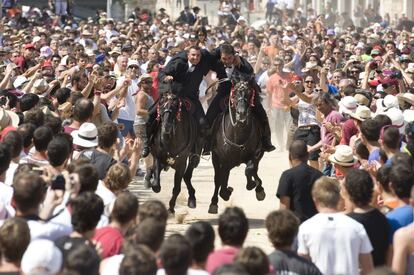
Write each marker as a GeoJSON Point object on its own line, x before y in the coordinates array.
{"type": "Point", "coordinates": [228, 141]}
{"type": "Point", "coordinates": [178, 114]}
{"type": "Point", "coordinates": [231, 105]}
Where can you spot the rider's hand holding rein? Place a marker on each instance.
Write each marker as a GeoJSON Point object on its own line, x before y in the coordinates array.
{"type": "Point", "coordinates": [168, 78]}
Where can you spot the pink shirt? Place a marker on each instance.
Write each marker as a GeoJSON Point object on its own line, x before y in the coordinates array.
{"type": "Point", "coordinates": [334, 118]}
{"type": "Point", "coordinates": [275, 91]}
{"type": "Point", "coordinates": [220, 257]}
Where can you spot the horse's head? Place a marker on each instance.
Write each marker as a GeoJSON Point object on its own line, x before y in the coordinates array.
{"type": "Point", "coordinates": [242, 98]}
{"type": "Point", "coordinates": [168, 111]}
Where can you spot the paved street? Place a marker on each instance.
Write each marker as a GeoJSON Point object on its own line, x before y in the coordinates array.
{"type": "Point", "coordinates": [271, 166]}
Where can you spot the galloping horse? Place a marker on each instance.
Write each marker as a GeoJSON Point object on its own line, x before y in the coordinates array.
{"type": "Point", "coordinates": [173, 143]}
{"type": "Point", "coordinates": [236, 140]}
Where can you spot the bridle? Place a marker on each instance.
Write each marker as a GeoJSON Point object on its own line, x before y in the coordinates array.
{"type": "Point", "coordinates": [233, 100]}
{"type": "Point", "coordinates": [161, 110]}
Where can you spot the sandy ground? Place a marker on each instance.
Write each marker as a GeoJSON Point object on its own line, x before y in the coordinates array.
{"type": "Point", "coordinates": [271, 166]}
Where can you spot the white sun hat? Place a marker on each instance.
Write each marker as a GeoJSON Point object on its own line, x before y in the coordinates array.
{"type": "Point", "coordinates": [86, 136]}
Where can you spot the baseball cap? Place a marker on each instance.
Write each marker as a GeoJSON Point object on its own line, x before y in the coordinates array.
{"type": "Point", "coordinates": [46, 51]}
{"type": "Point", "coordinates": [132, 63]}
{"type": "Point", "coordinates": [29, 46]}
{"type": "Point", "coordinates": [330, 32]}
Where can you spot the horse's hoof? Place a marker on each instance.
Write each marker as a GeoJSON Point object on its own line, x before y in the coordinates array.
{"type": "Point", "coordinates": [213, 209]}
{"type": "Point", "coordinates": [250, 185]}
{"type": "Point", "coordinates": [192, 203]}
{"type": "Point", "coordinates": [226, 193]}
{"type": "Point", "coordinates": [260, 195]}
{"type": "Point", "coordinates": [156, 188]}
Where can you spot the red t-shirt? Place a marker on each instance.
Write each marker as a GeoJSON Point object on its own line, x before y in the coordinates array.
{"type": "Point", "coordinates": [111, 240]}
{"type": "Point", "coordinates": [349, 129]}
{"type": "Point", "coordinates": [220, 257]}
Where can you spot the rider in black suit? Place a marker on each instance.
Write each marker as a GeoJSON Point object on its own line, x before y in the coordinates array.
{"type": "Point", "coordinates": [225, 56]}
{"type": "Point", "coordinates": [186, 71]}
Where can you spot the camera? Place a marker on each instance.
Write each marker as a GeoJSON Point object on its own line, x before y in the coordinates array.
{"type": "Point", "coordinates": [396, 75]}
{"type": "Point", "coordinates": [58, 183]}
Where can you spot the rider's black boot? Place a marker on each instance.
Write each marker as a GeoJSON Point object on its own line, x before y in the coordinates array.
{"type": "Point", "coordinates": [145, 150]}
{"type": "Point", "coordinates": [266, 138]}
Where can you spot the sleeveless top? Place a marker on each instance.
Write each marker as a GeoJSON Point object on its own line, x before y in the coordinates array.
{"type": "Point", "coordinates": [139, 120]}
{"type": "Point", "coordinates": [307, 114]}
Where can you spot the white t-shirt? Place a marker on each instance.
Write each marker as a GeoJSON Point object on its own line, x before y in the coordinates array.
{"type": "Point", "coordinates": [6, 195]}
{"type": "Point", "coordinates": [128, 111]}
{"type": "Point", "coordinates": [10, 173]}
{"type": "Point", "coordinates": [334, 242]}
{"type": "Point", "coordinates": [111, 265]}
{"type": "Point", "coordinates": [107, 196]}
{"type": "Point", "coordinates": [47, 230]}
{"type": "Point", "coordinates": [64, 217]}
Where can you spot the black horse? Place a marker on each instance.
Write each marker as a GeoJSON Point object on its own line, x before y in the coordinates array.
{"type": "Point", "coordinates": [174, 140]}
{"type": "Point", "coordinates": [236, 140]}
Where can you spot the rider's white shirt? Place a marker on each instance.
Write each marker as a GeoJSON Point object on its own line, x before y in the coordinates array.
{"type": "Point", "coordinates": [229, 71]}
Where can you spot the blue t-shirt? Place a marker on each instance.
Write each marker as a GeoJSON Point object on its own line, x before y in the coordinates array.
{"type": "Point", "coordinates": [399, 217]}
{"type": "Point", "coordinates": [374, 155]}
{"type": "Point", "coordinates": [332, 90]}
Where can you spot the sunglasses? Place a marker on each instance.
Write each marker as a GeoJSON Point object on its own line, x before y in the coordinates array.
{"type": "Point", "coordinates": [318, 90]}
{"type": "Point", "coordinates": [133, 67]}
{"type": "Point", "coordinates": [309, 81]}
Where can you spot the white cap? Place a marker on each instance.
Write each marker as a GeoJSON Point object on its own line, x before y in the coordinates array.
{"type": "Point", "coordinates": [132, 62]}
{"type": "Point", "coordinates": [391, 101]}
{"type": "Point", "coordinates": [41, 257]}
{"type": "Point", "coordinates": [19, 81]}
{"type": "Point", "coordinates": [36, 39]}
{"type": "Point", "coordinates": [348, 104]}
{"type": "Point", "coordinates": [46, 51]}
{"type": "Point", "coordinates": [397, 118]}
{"type": "Point", "coordinates": [241, 18]}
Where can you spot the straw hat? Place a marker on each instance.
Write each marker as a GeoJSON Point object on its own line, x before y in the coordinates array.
{"type": "Point", "coordinates": [343, 156]}
{"type": "Point", "coordinates": [362, 113]}
{"type": "Point", "coordinates": [8, 118]}
{"type": "Point", "coordinates": [407, 97]}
